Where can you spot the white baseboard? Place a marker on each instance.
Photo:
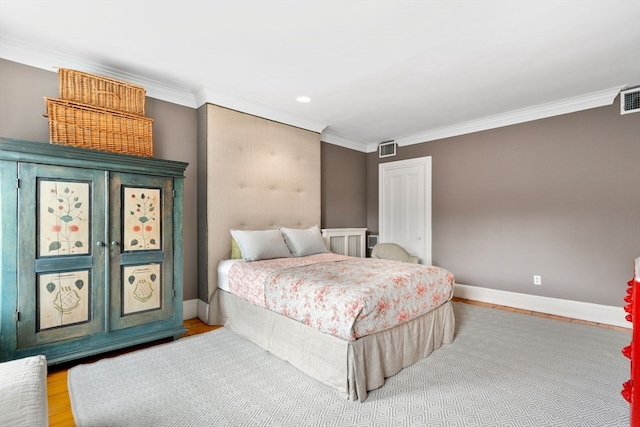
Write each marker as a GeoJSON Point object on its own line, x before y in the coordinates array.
{"type": "Point", "coordinates": [190, 309]}
{"type": "Point", "coordinates": [203, 311]}
{"type": "Point", "coordinates": [608, 315]}
{"type": "Point", "coordinates": [195, 308]}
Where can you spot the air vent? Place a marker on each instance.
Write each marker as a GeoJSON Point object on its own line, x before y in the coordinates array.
{"type": "Point", "coordinates": [630, 101]}
{"type": "Point", "coordinates": [387, 149]}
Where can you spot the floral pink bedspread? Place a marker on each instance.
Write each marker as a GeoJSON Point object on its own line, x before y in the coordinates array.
{"type": "Point", "coordinates": [343, 296]}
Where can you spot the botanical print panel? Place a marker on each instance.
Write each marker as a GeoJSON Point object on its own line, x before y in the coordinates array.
{"type": "Point", "coordinates": [63, 216]}
{"type": "Point", "coordinates": [141, 288]}
{"type": "Point", "coordinates": [63, 298]}
{"type": "Point", "coordinates": [141, 219]}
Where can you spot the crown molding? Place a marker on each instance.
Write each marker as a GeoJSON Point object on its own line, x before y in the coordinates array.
{"type": "Point", "coordinates": [50, 60]}
{"type": "Point", "coordinates": [372, 147]}
{"type": "Point", "coordinates": [566, 106]}
{"type": "Point", "coordinates": [542, 111]}
{"type": "Point", "coordinates": [207, 94]}
{"type": "Point", "coordinates": [333, 138]}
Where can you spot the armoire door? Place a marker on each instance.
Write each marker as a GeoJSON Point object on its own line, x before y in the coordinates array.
{"type": "Point", "coordinates": [141, 245]}
{"type": "Point", "coordinates": [61, 260]}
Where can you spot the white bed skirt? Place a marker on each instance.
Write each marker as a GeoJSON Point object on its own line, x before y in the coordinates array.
{"type": "Point", "coordinates": [351, 367]}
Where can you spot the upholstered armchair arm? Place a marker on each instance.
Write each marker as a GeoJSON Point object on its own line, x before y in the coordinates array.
{"type": "Point", "coordinates": [393, 251]}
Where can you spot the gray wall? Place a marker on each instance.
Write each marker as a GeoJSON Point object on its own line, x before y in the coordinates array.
{"type": "Point", "coordinates": [22, 89]}
{"type": "Point", "coordinates": [558, 197]}
{"type": "Point", "coordinates": [343, 187]}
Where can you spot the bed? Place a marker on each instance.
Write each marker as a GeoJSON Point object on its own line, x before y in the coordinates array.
{"type": "Point", "coordinates": [347, 322]}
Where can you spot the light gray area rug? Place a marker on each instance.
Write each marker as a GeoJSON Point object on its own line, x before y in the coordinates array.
{"type": "Point", "coordinates": [503, 369]}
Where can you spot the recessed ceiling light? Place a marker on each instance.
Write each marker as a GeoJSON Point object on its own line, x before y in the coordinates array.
{"type": "Point", "coordinates": [303, 99]}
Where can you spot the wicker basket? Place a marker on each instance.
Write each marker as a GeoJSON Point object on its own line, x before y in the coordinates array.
{"type": "Point", "coordinates": [101, 91]}
{"type": "Point", "coordinates": [86, 126]}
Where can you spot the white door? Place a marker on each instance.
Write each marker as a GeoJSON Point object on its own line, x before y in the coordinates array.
{"type": "Point", "coordinates": [405, 205]}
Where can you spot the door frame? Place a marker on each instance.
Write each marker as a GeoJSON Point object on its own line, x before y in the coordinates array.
{"type": "Point", "coordinates": [426, 163]}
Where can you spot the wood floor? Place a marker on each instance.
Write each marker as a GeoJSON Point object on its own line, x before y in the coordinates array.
{"type": "Point", "coordinates": [60, 407]}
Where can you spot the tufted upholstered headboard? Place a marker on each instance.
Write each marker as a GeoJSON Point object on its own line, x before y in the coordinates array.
{"type": "Point", "coordinates": [260, 174]}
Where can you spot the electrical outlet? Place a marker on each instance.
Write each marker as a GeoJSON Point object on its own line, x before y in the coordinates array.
{"type": "Point", "coordinates": [537, 280]}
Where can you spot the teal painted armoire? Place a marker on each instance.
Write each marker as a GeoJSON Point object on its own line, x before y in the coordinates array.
{"type": "Point", "coordinates": [91, 250]}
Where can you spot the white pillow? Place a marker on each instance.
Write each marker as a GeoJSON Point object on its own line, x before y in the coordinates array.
{"type": "Point", "coordinates": [23, 392]}
{"type": "Point", "coordinates": [304, 242]}
{"type": "Point", "coordinates": [261, 244]}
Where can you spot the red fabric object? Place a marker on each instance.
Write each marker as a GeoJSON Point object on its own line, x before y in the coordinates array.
{"type": "Point", "coordinates": [631, 388]}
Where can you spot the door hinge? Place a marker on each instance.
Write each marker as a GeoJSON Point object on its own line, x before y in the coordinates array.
{"type": "Point", "coordinates": [173, 193]}
{"type": "Point", "coordinates": [17, 316]}
{"type": "Point", "coordinates": [18, 183]}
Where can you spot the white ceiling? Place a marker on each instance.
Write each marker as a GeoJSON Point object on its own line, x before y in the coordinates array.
{"type": "Point", "coordinates": [375, 70]}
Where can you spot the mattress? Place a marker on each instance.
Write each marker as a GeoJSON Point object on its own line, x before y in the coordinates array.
{"type": "Point", "coordinates": [223, 273]}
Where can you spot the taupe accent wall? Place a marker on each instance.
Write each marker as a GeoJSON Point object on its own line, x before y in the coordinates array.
{"type": "Point", "coordinates": [22, 89]}
{"type": "Point", "coordinates": [557, 197]}
{"type": "Point", "coordinates": [344, 187]}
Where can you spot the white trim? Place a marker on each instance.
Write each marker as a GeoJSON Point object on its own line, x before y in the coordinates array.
{"type": "Point", "coordinates": [50, 60]}
{"type": "Point", "coordinates": [565, 106]}
{"type": "Point", "coordinates": [608, 315]}
{"type": "Point", "coordinates": [537, 112]}
{"type": "Point", "coordinates": [189, 309]}
{"type": "Point", "coordinates": [203, 311]}
{"type": "Point", "coordinates": [335, 139]}
{"type": "Point", "coordinates": [47, 59]}
{"type": "Point", "coordinates": [216, 96]}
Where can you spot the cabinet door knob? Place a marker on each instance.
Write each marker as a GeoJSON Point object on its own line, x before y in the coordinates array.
{"type": "Point", "coordinates": [100, 243]}
{"type": "Point", "coordinates": [114, 243]}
